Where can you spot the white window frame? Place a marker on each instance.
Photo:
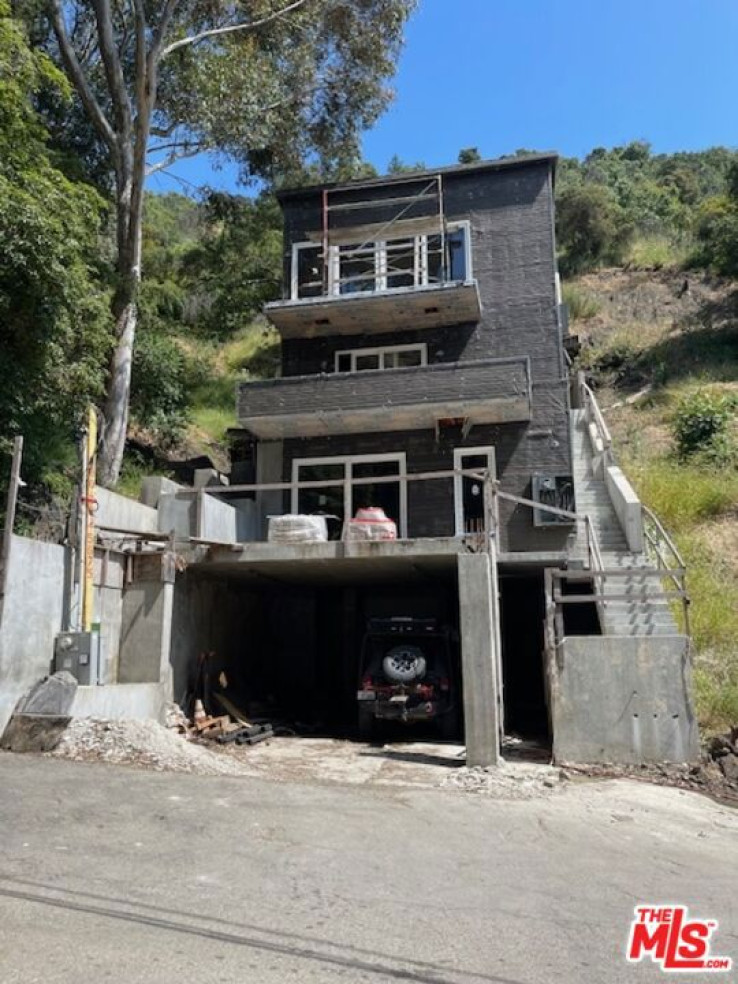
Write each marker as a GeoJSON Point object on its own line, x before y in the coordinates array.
{"type": "Point", "coordinates": [459, 455]}
{"type": "Point", "coordinates": [381, 351]}
{"type": "Point", "coordinates": [348, 461]}
{"type": "Point", "coordinates": [420, 269]}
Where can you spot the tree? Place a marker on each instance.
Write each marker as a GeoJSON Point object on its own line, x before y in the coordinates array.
{"type": "Point", "coordinates": [54, 332]}
{"type": "Point", "coordinates": [269, 83]}
{"type": "Point", "coordinates": [469, 155]}
{"type": "Point", "coordinates": [591, 227]}
{"type": "Point", "coordinates": [398, 166]}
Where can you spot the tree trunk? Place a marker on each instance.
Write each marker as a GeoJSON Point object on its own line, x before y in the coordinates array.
{"type": "Point", "coordinates": [125, 312]}
{"type": "Point", "coordinates": [115, 425]}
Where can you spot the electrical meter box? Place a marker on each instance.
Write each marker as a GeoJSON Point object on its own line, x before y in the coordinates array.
{"type": "Point", "coordinates": [79, 654]}
{"type": "Point", "coordinates": [556, 491]}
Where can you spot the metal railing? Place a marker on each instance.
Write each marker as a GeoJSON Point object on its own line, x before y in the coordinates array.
{"type": "Point", "coordinates": [661, 549]}
{"type": "Point", "coordinates": [599, 431]}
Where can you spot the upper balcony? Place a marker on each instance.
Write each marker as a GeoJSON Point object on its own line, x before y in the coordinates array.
{"type": "Point", "coordinates": [419, 276]}
{"type": "Point", "coordinates": [486, 391]}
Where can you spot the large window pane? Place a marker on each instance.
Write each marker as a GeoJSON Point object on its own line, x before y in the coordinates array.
{"type": "Point", "coordinates": [309, 272]}
{"type": "Point", "coordinates": [357, 268]}
{"type": "Point", "coordinates": [386, 495]}
{"type": "Point", "coordinates": [401, 263]}
{"type": "Point", "coordinates": [456, 244]}
{"type": "Point", "coordinates": [329, 500]}
{"type": "Point", "coordinates": [412, 357]}
{"type": "Point", "coordinates": [367, 361]}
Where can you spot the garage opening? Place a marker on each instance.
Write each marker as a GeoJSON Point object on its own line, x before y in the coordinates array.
{"type": "Point", "coordinates": [522, 611]}
{"type": "Point", "coordinates": [299, 652]}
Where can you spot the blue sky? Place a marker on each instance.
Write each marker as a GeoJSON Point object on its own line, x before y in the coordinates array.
{"type": "Point", "coordinates": [565, 75]}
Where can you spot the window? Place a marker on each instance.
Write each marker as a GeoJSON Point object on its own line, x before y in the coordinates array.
{"type": "Point", "coordinates": [382, 264]}
{"type": "Point", "coordinates": [387, 357]}
{"type": "Point", "coordinates": [348, 489]}
{"type": "Point", "coordinates": [469, 491]}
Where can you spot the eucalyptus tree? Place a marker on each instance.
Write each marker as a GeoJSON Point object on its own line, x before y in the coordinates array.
{"type": "Point", "coordinates": [274, 84]}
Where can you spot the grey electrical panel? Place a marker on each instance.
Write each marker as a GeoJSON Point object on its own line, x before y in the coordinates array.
{"type": "Point", "coordinates": [556, 491]}
{"type": "Point", "coordinates": [79, 654]}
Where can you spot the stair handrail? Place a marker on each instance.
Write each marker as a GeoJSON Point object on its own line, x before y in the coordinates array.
{"type": "Point", "coordinates": [678, 577]}
{"type": "Point", "coordinates": [653, 518]}
{"type": "Point", "coordinates": [595, 415]}
{"type": "Point", "coordinates": [597, 566]}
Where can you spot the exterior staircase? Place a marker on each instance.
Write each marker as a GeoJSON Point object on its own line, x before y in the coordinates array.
{"type": "Point", "coordinates": [644, 610]}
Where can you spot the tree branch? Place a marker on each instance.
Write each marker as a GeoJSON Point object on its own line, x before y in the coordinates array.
{"type": "Point", "coordinates": [79, 80]}
{"type": "Point", "coordinates": [217, 31]}
{"type": "Point", "coordinates": [161, 31]}
{"type": "Point", "coordinates": [185, 144]}
{"type": "Point", "coordinates": [171, 159]}
{"type": "Point", "coordinates": [112, 66]}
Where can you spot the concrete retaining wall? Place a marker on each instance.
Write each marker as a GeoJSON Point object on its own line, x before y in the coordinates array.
{"type": "Point", "coordinates": [32, 615]}
{"type": "Point", "coordinates": [218, 520]}
{"type": "Point", "coordinates": [627, 505]}
{"type": "Point", "coordinates": [123, 513]}
{"type": "Point", "coordinates": [622, 699]}
{"type": "Point", "coordinates": [136, 701]}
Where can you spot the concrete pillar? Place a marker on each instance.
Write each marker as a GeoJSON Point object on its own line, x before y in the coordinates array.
{"type": "Point", "coordinates": [269, 465]}
{"type": "Point", "coordinates": [479, 659]}
{"type": "Point", "coordinates": [147, 621]}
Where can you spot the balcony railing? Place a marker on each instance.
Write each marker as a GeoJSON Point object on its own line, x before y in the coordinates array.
{"type": "Point", "coordinates": [487, 391]}
{"type": "Point", "coordinates": [387, 284]}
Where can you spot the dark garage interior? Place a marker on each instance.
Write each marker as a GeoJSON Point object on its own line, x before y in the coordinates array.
{"type": "Point", "coordinates": [291, 652]}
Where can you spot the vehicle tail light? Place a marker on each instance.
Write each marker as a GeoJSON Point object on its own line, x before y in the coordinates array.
{"type": "Point", "coordinates": [445, 685]}
{"type": "Point", "coordinates": [366, 683]}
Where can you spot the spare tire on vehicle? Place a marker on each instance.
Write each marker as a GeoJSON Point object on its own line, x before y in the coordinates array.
{"type": "Point", "coordinates": [403, 664]}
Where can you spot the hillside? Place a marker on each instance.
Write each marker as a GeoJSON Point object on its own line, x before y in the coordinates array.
{"type": "Point", "coordinates": [650, 341]}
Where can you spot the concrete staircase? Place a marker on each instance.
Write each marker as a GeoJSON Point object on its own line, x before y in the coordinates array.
{"type": "Point", "coordinates": [643, 612]}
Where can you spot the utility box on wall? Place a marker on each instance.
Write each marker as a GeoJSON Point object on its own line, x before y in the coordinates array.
{"type": "Point", "coordinates": [79, 654]}
{"type": "Point", "coordinates": [556, 491]}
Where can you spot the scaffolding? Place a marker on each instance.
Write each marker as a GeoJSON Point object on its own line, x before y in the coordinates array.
{"type": "Point", "coordinates": [403, 256]}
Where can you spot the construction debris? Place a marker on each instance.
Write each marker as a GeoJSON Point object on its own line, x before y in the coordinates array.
{"type": "Point", "coordinates": [145, 744]}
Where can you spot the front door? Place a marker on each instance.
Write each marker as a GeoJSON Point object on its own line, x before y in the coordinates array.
{"type": "Point", "coordinates": [469, 491]}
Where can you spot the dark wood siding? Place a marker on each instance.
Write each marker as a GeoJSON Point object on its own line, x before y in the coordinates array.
{"type": "Point", "coordinates": [513, 256]}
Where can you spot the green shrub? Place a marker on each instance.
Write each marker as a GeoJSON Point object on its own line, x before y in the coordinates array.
{"type": "Point", "coordinates": [581, 304]}
{"type": "Point", "coordinates": [700, 424]}
{"type": "Point", "coordinates": [591, 228]}
{"type": "Point", "coordinates": [159, 391]}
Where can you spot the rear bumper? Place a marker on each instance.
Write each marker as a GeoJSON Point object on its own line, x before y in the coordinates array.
{"type": "Point", "coordinates": [388, 710]}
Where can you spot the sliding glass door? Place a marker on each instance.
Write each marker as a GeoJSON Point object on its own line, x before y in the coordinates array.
{"type": "Point", "coordinates": [349, 487]}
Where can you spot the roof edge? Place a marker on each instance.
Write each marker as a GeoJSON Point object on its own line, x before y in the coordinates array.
{"type": "Point", "coordinates": [497, 164]}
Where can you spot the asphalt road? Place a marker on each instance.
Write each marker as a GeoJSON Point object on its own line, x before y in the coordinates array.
{"type": "Point", "coordinates": [114, 874]}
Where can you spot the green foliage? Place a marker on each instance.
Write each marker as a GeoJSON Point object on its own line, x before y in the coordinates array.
{"type": "Point", "coordinates": [581, 304]}
{"type": "Point", "coordinates": [717, 236]}
{"type": "Point", "coordinates": [654, 253]}
{"type": "Point", "coordinates": [53, 304]}
{"type": "Point", "coordinates": [237, 264]}
{"type": "Point", "coordinates": [592, 228]}
{"type": "Point", "coordinates": [469, 155]}
{"type": "Point", "coordinates": [700, 425]}
{"type": "Point", "coordinates": [660, 198]}
{"type": "Point", "coordinates": [694, 502]}
{"type": "Point", "coordinates": [398, 166]}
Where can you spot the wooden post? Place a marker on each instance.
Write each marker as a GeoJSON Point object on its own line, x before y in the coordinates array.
{"type": "Point", "coordinates": [10, 507]}
{"type": "Point", "coordinates": [89, 502]}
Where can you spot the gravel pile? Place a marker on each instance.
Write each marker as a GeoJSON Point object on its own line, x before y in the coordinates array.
{"type": "Point", "coordinates": [142, 743]}
{"type": "Point", "coordinates": [506, 782]}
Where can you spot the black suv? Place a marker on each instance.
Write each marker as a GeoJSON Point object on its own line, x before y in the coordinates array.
{"type": "Point", "coordinates": [407, 674]}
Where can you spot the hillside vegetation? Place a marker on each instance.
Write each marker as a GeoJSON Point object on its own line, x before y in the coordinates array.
{"type": "Point", "coordinates": [662, 349]}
